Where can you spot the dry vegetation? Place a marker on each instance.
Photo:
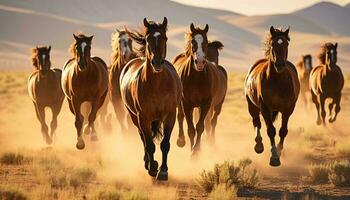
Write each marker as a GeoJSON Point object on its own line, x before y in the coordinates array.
{"type": "Point", "coordinates": [314, 157]}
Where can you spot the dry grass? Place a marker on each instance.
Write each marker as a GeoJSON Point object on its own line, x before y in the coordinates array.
{"type": "Point", "coordinates": [11, 158]}
{"type": "Point", "coordinates": [11, 193]}
{"type": "Point", "coordinates": [223, 192]}
{"type": "Point", "coordinates": [318, 174]}
{"type": "Point", "coordinates": [340, 173]}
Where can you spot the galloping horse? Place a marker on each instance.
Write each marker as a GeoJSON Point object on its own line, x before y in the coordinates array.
{"type": "Point", "coordinates": [122, 54]}
{"type": "Point", "coordinates": [327, 81]}
{"type": "Point", "coordinates": [272, 86]}
{"type": "Point", "coordinates": [151, 91]}
{"type": "Point", "coordinates": [45, 90]}
{"type": "Point", "coordinates": [304, 68]}
{"type": "Point", "coordinates": [213, 51]}
{"type": "Point", "coordinates": [204, 86]}
{"type": "Point", "coordinates": [84, 79]}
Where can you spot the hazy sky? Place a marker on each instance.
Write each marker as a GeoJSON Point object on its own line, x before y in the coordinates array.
{"type": "Point", "coordinates": [255, 7]}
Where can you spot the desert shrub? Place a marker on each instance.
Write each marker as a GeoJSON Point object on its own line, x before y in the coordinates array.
{"type": "Point", "coordinates": [13, 159]}
{"type": "Point", "coordinates": [229, 175]}
{"type": "Point", "coordinates": [318, 174]}
{"type": "Point", "coordinates": [81, 176]}
{"type": "Point", "coordinates": [120, 195]}
{"type": "Point", "coordinates": [340, 173]}
{"type": "Point", "coordinates": [8, 193]}
{"type": "Point", "coordinates": [223, 192]}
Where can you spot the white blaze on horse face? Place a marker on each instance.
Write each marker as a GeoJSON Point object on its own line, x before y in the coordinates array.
{"type": "Point", "coordinates": [83, 45]}
{"type": "Point", "coordinates": [44, 56]}
{"type": "Point", "coordinates": [199, 53]}
{"type": "Point", "coordinates": [124, 44]}
{"type": "Point", "coordinates": [332, 55]}
{"type": "Point", "coordinates": [279, 41]}
{"type": "Point", "coordinates": [156, 35]}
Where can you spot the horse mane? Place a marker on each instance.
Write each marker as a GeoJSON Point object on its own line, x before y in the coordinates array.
{"type": "Point", "coordinates": [322, 54]}
{"type": "Point", "coordinates": [268, 39]}
{"type": "Point", "coordinates": [35, 63]}
{"type": "Point", "coordinates": [188, 47]}
{"type": "Point", "coordinates": [140, 37]}
{"type": "Point", "coordinates": [115, 46]}
{"type": "Point", "coordinates": [216, 44]}
{"type": "Point", "coordinates": [74, 44]}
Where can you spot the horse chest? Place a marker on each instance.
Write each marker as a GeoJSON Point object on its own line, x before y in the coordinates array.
{"type": "Point", "coordinates": [196, 90]}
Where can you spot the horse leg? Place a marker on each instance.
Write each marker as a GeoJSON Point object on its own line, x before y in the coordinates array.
{"type": "Point", "coordinates": [337, 107]}
{"type": "Point", "coordinates": [78, 123]}
{"type": "Point", "coordinates": [40, 113]}
{"type": "Point", "coordinates": [271, 131]}
{"type": "Point", "coordinates": [165, 145]}
{"type": "Point", "coordinates": [181, 142]}
{"type": "Point", "coordinates": [207, 122]}
{"type": "Point", "coordinates": [317, 104]}
{"type": "Point", "coordinates": [53, 124]}
{"type": "Point", "coordinates": [283, 132]}
{"type": "Point", "coordinates": [330, 108]}
{"type": "Point", "coordinates": [214, 121]}
{"type": "Point", "coordinates": [145, 126]}
{"type": "Point", "coordinates": [322, 100]}
{"type": "Point", "coordinates": [188, 111]}
{"type": "Point", "coordinates": [255, 114]}
{"type": "Point", "coordinates": [119, 113]}
{"type": "Point", "coordinates": [203, 111]}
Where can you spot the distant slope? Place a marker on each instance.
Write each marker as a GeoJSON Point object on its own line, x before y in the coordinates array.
{"type": "Point", "coordinates": [328, 15]}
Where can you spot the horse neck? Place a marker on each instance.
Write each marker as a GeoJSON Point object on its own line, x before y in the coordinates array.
{"type": "Point", "coordinates": [88, 67]}
{"type": "Point", "coordinates": [147, 72]}
{"type": "Point", "coordinates": [271, 71]}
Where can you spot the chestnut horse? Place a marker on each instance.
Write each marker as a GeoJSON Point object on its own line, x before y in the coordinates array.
{"type": "Point", "coordinates": [327, 81]}
{"type": "Point", "coordinates": [45, 90]}
{"type": "Point", "coordinates": [304, 68]}
{"type": "Point", "coordinates": [122, 54]}
{"type": "Point", "coordinates": [151, 91]}
{"type": "Point", "coordinates": [204, 86]}
{"type": "Point", "coordinates": [84, 79]}
{"type": "Point", "coordinates": [272, 86]}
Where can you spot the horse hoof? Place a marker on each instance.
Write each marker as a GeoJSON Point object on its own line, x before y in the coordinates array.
{"type": "Point", "coordinates": [275, 162]}
{"type": "Point", "coordinates": [153, 173]}
{"type": "Point", "coordinates": [80, 144]}
{"type": "Point", "coordinates": [181, 142]}
{"type": "Point", "coordinates": [259, 148]}
{"type": "Point", "coordinates": [318, 122]}
{"type": "Point", "coordinates": [94, 138]}
{"type": "Point", "coordinates": [331, 120]}
{"type": "Point", "coordinates": [162, 176]}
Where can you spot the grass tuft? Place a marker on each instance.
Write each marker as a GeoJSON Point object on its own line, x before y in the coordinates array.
{"type": "Point", "coordinates": [318, 174]}
{"type": "Point", "coordinates": [10, 193]}
{"type": "Point", "coordinates": [10, 158]}
{"type": "Point", "coordinates": [340, 173]}
{"type": "Point", "coordinates": [223, 192]}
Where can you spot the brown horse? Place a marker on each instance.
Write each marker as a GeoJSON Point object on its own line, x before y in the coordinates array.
{"type": "Point", "coordinates": [213, 51]}
{"type": "Point", "coordinates": [45, 90]}
{"type": "Point", "coordinates": [272, 86]}
{"type": "Point", "coordinates": [151, 91]}
{"type": "Point", "coordinates": [327, 81]}
{"type": "Point", "coordinates": [84, 79]}
{"type": "Point", "coordinates": [204, 86]}
{"type": "Point", "coordinates": [304, 68]}
{"type": "Point", "coordinates": [122, 54]}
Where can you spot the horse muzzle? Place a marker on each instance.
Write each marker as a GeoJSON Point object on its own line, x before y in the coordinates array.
{"type": "Point", "coordinates": [279, 66]}
{"type": "Point", "coordinates": [157, 64]}
{"type": "Point", "coordinates": [200, 64]}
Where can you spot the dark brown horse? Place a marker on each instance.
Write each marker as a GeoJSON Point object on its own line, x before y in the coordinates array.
{"type": "Point", "coordinates": [304, 68]}
{"type": "Point", "coordinates": [327, 81]}
{"type": "Point", "coordinates": [151, 91]}
{"type": "Point", "coordinates": [272, 86]}
{"type": "Point", "coordinates": [84, 79]}
{"type": "Point", "coordinates": [44, 88]}
{"type": "Point", "coordinates": [204, 86]}
{"type": "Point", "coordinates": [213, 51]}
{"type": "Point", "coordinates": [122, 54]}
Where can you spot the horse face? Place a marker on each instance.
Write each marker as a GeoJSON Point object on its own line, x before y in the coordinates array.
{"type": "Point", "coordinates": [279, 48]}
{"type": "Point", "coordinates": [199, 46]}
{"type": "Point", "coordinates": [331, 54]}
{"type": "Point", "coordinates": [82, 51]}
{"type": "Point", "coordinates": [43, 59]}
{"type": "Point", "coordinates": [307, 59]}
{"type": "Point", "coordinates": [156, 43]}
{"type": "Point", "coordinates": [125, 45]}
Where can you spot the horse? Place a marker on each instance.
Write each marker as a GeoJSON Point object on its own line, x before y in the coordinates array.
{"type": "Point", "coordinates": [213, 51]}
{"type": "Point", "coordinates": [122, 54]}
{"type": "Point", "coordinates": [304, 67]}
{"type": "Point", "coordinates": [151, 91]}
{"type": "Point", "coordinates": [204, 86]}
{"type": "Point", "coordinates": [272, 86]}
{"type": "Point", "coordinates": [45, 90]}
{"type": "Point", "coordinates": [84, 79]}
{"type": "Point", "coordinates": [327, 81]}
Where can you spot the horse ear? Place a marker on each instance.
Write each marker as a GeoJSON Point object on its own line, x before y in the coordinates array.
{"type": "Point", "coordinates": [165, 22]}
{"type": "Point", "coordinates": [206, 29]}
{"type": "Point", "coordinates": [287, 31]}
{"type": "Point", "coordinates": [118, 31]}
{"type": "Point", "coordinates": [49, 49]}
{"type": "Point", "coordinates": [272, 30]}
{"type": "Point", "coordinates": [145, 22]}
{"type": "Point", "coordinates": [336, 45]}
{"type": "Point", "coordinates": [90, 38]}
{"type": "Point", "coordinates": [75, 37]}
{"type": "Point", "coordinates": [192, 28]}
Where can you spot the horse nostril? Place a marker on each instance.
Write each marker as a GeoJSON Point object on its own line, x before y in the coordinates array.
{"type": "Point", "coordinates": [162, 62]}
{"type": "Point", "coordinates": [195, 61]}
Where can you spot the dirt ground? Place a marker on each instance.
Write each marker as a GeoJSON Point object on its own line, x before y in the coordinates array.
{"type": "Point", "coordinates": [118, 157]}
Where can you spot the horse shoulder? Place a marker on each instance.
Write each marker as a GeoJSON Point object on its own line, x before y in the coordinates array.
{"type": "Point", "coordinates": [100, 61]}
{"type": "Point", "coordinates": [31, 85]}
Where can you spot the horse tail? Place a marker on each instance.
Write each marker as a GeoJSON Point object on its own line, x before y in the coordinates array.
{"type": "Point", "coordinates": [156, 130]}
{"type": "Point", "coordinates": [274, 115]}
